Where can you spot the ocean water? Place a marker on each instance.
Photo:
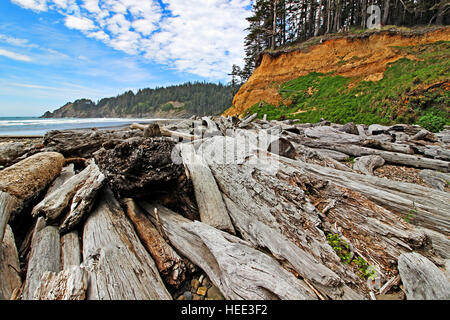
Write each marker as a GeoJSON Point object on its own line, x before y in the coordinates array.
{"type": "Point", "coordinates": [29, 126]}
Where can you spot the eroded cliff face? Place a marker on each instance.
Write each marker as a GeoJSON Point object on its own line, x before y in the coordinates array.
{"type": "Point", "coordinates": [363, 57]}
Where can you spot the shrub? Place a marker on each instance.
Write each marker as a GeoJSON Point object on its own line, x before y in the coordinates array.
{"type": "Point", "coordinates": [432, 122]}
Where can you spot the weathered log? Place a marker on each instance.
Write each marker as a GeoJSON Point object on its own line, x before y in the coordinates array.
{"type": "Point", "coordinates": [439, 242]}
{"type": "Point", "coordinates": [212, 129]}
{"type": "Point", "coordinates": [83, 143]}
{"type": "Point", "coordinates": [247, 120]}
{"type": "Point", "coordinates": [84, 199]}
{"type": "Point", "coordinates": [44, 256]}
{"type": "Point", "coordinates": [389, 157]}
{"type": "Point", "coordinates": [138, 166]}
{"type": "Point", "coordinates": [10, 151]}
{"type": "Point", "coordinates": [237, 269]}
{"type": "Point", "coordinates": [9, 266]}
{"type": "Point", "coordinates": [66, 173]}
{"type": "Point", "coordinates": [170, 265]}
{"type": "Point", "coordinates": [394, 281]}
{"type": "Point", "coordinates": [350, 128]}
{"type": "Point", "coordinates": [53, 205]}
{"type": "Point", "coordinates": [367, 164]}
{"type": "Point", "coordinates": [388, 146]}
{"type": "Point", "coordinates": [69, 284]}
{"type": "Point", "coordinates": [23, 182]}
{"type": "Point", "coordinates": [119, 266]}
{"type": "Point", "coordinates": [435, 179]}
{"type": "Point", "coordinates": [331, 135]}
{"type": "Point", "coordinates": [421, 279]}
{"type": "Point", "coordinates": [71, 250]}
{"type": "Point", "coordinates": [209, 200]}
{"type": "Point", "coordinates": [425, 135]}
{"type": "Point", "coordinates": [428, 207]}
{"type": "Point", "coordinates": [336, 155]}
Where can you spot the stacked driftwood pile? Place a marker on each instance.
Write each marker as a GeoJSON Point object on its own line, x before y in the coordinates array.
{"type": "Point", "coordinates": [132, 213]}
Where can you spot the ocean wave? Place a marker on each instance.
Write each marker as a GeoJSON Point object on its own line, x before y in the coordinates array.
{"type": "Point", "coordinates": [66, 121]}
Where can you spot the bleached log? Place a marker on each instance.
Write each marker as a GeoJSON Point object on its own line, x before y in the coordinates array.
{"type": "Point", "coordinates": [23, 182]}
{"type": "Point", "coordinates": [421, 279]}
{"type": "Point", "coordinates": [209, 200]}
{"type": "Point", "coordinates": [71, 250]}
{"type": "Point", "coordinates": [389, 284]}
{"type": "Point", "coordinates": [439, 242]}
{"type": "Point", "coordinates": [212, 129]}
{"type": "Point", "coordinates": [84, 199]}
{"type": "Point", "coordinates": [435, 179]}
{"type": "Point", "coordinates": [83, 143]}
{"type": "Point", "coordinates": [44, 256]}
{"type": "Point", "coordinates": [168, 133]}
{"type": "Point", "coordinates": [237, 269]}
{"type": "Point", "coordinates": [168, 262]}
{"type": "Point", "coordinates": [367, 164]}
{"type": "Point", "coordinates": [66, 173]}
{"type": "Point", "coordinates": [119, 266]}
{"type": "Point", "coordinates": [332, 135]}
{"type": "Point", "coordinates": [389, 157]}
{"type": "Point", "coordinates": [388, 146]}
{"type": "Point", "coordinates": [8, 204]}
{"type": "Point", "coordinates": [9, 266]}
{"type": "Point", "coordinates": [246, 121]}
{"type": "Point", "coordinates": [339, 156]}
{"type": "Point", "coordinates": [53, 205]}
{"type": "Point", "coordinates": [69, 284]}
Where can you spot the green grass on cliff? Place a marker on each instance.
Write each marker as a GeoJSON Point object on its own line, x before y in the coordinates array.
{"type": "Point", "coordinates": [411, 91]}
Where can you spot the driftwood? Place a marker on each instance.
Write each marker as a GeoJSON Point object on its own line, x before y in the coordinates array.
{"type": "Point", "coordinates": [71, 250]}
{"type": "Point", "coordinates": [247, 120]}
{"type": "Point", "coordinates": [9, 266]}
{"type": "Point", "coordinates": [53, 205]}
{"type": "Point", "coordinates": [388, 146]}
{"type": "Point", "coordinates": [421, 279]}
{"type": "Point", "coordinates": [83, 143]}
{"type": "Point", "coordinates": [212, 129]}
{"type": "Point", "coordinates": [66, 173]}
{"type": "Point", "coordinates": [435, 179]}
{"type": "Point", "coordinates": [84, 198]}
{"type": "Point", "coordinates": [367, 164]}
{"type": "Point", "coordinates": [237, 269]}
{"type": "Point", "coordinates": [44, 256]}
{"type": "Point", "coordinates": [119, 266]}
{"type": "Point", "coordinates": [70, 284]}
{"type": "Point", "coordinates": [165, 132]}
{"type": "Point", "coordinates": [169, 263]}
{"type": "Point", "coordinates": [23, 182]}
{"type": "Point", "coordinates": [209, 200]}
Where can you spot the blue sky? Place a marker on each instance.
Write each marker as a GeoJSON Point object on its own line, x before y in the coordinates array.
{"type": "Point", "coordinates": [55, 51]}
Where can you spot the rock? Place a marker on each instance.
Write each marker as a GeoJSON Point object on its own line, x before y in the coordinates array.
{"type": "Point", "coordinates": [214, 294]}
{"type": "Point", "coordinates": [139, 166]}
{"type": "Point", "coordinates": [194, 285]}
{"type": "Point", "coordinates": [421, 279]}
{"type": "Point", "coordinates": [350, 128]}
{"type": "Point", "coordinates": [182, 297]}
{"type": "Point", "coordinates": [187, 295]}
{"type": "Point", "coordinates": [202, 291]}
{"type": "Point", "coordinates": [367, 164]}
{"type": "Point", "coordinates": [152, 130]}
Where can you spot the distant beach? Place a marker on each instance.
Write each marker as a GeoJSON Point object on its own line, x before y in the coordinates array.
{"type": "Point", "coordinates": [33, 126]}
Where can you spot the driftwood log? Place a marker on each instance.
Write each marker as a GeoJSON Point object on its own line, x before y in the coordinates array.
{"type": "Point", "coordinates": [422, 279]}
{"type": "Point", "coordinates": [9, 266]}
{"type": "Point", "coordinates": [169, 263]}
{"type": "Point", "coordinates": [44, 256]}
{"type": "Point", "coordinates": [209, 200]}
{"type": "Point", "coordinates": [237, 269]}
{"type": "Point", "coordinates": [70, 284]}
{"type": "Point", "coordinates": [71, 250]}
{"type": "Point", "coordinates": [119, 267]}
{"type": "Point", "coordinates": [23, 182]}
{"type": "Point", "coordinates": [84, 198]}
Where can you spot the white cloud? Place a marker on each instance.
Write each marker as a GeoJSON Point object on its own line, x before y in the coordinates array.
{"type": "Point", "coordinates": [202, 37]}
{"type": "Point", "coordinates": [17, 41]}
{"type": "Point", "coordinates": [36, 5]}
{"type": "Point", "coordinates": [79, 23]}
{"type": "Point", "coordinates": [14, 55]}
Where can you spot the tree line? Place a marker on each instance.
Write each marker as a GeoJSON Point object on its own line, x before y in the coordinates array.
{"type": "Point", "coordinates": [199, 98]}
{"type": "Point", "coordinates": [276, 23]}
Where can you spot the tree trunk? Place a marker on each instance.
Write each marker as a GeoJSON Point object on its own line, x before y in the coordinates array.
{"type": "Point", "coordinates": [237, 269]}
{"type": "Point", "coordinates": [119, 266]}
{"type": "Point", "coordinates": [169, 263]}
{"type": "Point", "coordinates": [387, 4]}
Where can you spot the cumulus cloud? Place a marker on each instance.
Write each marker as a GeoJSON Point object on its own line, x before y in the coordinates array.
{"type": "Point", "coordinates": [202, 37]}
